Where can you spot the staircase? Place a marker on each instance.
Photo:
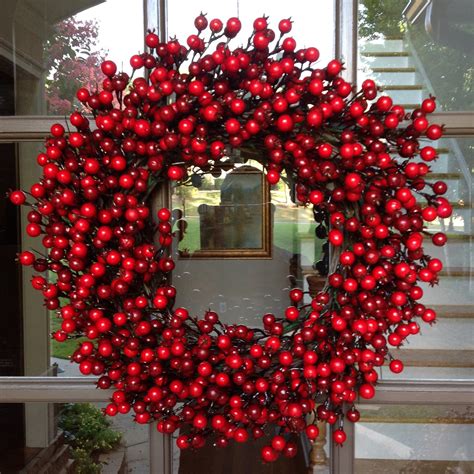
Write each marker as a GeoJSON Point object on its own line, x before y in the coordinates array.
{"type": "Point", "coordinates": [54, 459]}
{"type": "Point", "coordinates": [445, 350]}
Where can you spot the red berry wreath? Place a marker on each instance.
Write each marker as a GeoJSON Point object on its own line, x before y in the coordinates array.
{"type": "Point", "coordinates": [350, 155]}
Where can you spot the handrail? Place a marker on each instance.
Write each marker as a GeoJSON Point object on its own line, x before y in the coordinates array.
{"type": "Point", "coordinates": [83, 389]}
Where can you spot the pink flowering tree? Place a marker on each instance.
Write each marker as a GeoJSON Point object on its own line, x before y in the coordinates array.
{"type": "Point", "coordinates": [72, 59]}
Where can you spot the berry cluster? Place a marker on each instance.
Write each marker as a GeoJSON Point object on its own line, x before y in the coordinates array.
{"type": "Point", "coordinates": [355, 157]}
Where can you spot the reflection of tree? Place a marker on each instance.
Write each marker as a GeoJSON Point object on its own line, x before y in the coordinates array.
{"type": "Point", "coordinates": [380, 17]}
{"type": "Point", "coordinates": [449, 70]}
{"type": "Point", "coordinates": [72, 60]}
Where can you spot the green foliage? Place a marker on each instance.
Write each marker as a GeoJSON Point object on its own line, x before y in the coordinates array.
{"type": "Point", "coordinates": [84, 464]}
{"type": "Point", "coordinates": [380, 17]}
{"type": "Point", "coordinates": [450, 71]}
{"type": "Point", "coordinates": [62, 350]}
{"type": "Point", "coordinates": [88, 432]}
{"type": "Point", "coordinates": [72, 59]}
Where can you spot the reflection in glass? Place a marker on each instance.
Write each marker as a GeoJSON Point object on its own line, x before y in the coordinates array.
{"type": "Point", "coordinates": [50, 49]}
{"type": "Point", "coordinates": [423, 49]}
{"type": "Point", "coordinates": [313, 22]}
{"type": "Point", "coordinates": [70, 437]}
{"type": "Point", "coordinates": [26, 347]}
{"type": "Point", "coordinates": [414, 439]}
{"type": "Point", "coordinates": [226, 215]}
{"type": "Point", "coordinates": [245, 287]}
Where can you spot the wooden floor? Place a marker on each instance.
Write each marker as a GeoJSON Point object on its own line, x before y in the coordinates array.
{"type": "Point", "coordinates": [238, 459]}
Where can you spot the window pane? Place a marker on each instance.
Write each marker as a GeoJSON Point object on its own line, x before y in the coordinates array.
{"type": "Point", "coordinates": [409, 61]}
{"type": "Point", "coordinates": [414, 56]}
{"type": "Point", "coordinates": [50, 49]}
{"type": "Point", "coordinates": [446, 349]}
{"type": "Point", "coordinates": [236, 458]}
{"type": "Point", "coordinates": [73, 437]}
{"type": "Point", "coordinates": [414, 438]}
{"type": "Point", "coordinates": [313, 21]}
{"type": "Point", "coordinates": [213, 272]}
{"type": "Point", "coordinates": [26, 347]}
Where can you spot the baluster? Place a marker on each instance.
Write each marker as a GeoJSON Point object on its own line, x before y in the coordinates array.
{"type": "Point", "coordinates": [317, 457]}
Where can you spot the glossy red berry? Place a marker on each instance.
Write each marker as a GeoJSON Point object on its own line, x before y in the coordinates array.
{"type": "Point", "coordinates": [109, 68]}
{"type": "Point", "coordinates": [17, 197]}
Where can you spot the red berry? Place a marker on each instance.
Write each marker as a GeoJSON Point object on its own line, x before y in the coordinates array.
{"type": "Point", "coordinates": [336, 237]}
{"type": "Point", "coordinates": [434, 132]}
{"type": "Point", "coordinates": [284, 123]}
{"type": "Point", "coordinates": [366, 391]}
{"type": "Point", "coordinates": [17, 197]}
{"type": "Point", "coordinates": [109, 68]}
{"type": "Point", "coordinates": [396, 366]}
{"type": "Point", "coordinates": [216, 25]}
{"type": "Point", "coordinates": [232, 27]}
{"type": "Point", "coordinates": [269, 454]}
{"type": "Point", "coordinates": [339, 437]}
{"type": "Point", "coordinates": [285, 26]}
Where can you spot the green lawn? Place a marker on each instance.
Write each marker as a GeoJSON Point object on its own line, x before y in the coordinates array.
{"type": "Point", "coordinates": [61, 350]}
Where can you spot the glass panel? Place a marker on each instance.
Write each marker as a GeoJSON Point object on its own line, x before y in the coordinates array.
{"type": "Point", "coordinates": [10, 288]}
{"type": "Point", "coordinates": [26, 347]}
{"type": "Point", "coordinates": [50, 49]}
{"type": "Point", "coordinates": [427, 52]}
{"type": "Point", "coordinates": [57, 437]}
{"type": "Point", "coordinates": [393, 439]}
{"type": "Point", "coordinates": [446, 349]}
{"type": "Point", "coordinates": [226, 213]}
{"type": "Point", "coordinates": [236, 458]}
{"type": "Point", "coordinates": [401, 56]}
{"type": "Point", "coordinates": [313, 21]}
{"type": "Point", "coordinates": [254, 283]}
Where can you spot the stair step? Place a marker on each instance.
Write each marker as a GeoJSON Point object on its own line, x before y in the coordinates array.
{"type": "Point", "coordinates": [462, 205]}
{"type": "Point", "coordinates": [57, 462]}
{"type": "Point", "coordinates": [457, 186]}
{"type": "Point", "coordinates": [457, 237]}
{"type": "Point", "coordinates": [393, 69]}
{"type": "Point", "coordinates": [459, 290]}
{"type": "Point", "coordinates": [43, 457]}
{"type": "Point", "coordinates": [402, 87]}
{"type": "Point", "coordinates": [406, 95]}
{"type": "Point", "coordinates": [435, 357]}
{"type": "Point", "coordinates": [382, 44]}
{"type": "Point", "coordinates": [453, 311]}
{"type": "Point", "coordinates": [463, 227]}
{"type": "Point", "coordinates": [386, 78]}
{"type": "Point", "coordinates": [385, 54]}
{"type": "Point", "coordinates": [410, 106]}
{"type": "Point", "coordinates": [456, 273]}
{"type": "Point", "coordinates": [444, 175]}
{"type": "Point", "coordinates": [414, 414]}
{"type": "Point", "coordinates": [371, 60]}
{"type": "Point", "coordinates": [445, 335]}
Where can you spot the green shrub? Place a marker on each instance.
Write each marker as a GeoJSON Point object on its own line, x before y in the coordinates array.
{"type": "Point", "coordinates": [88, 433]}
